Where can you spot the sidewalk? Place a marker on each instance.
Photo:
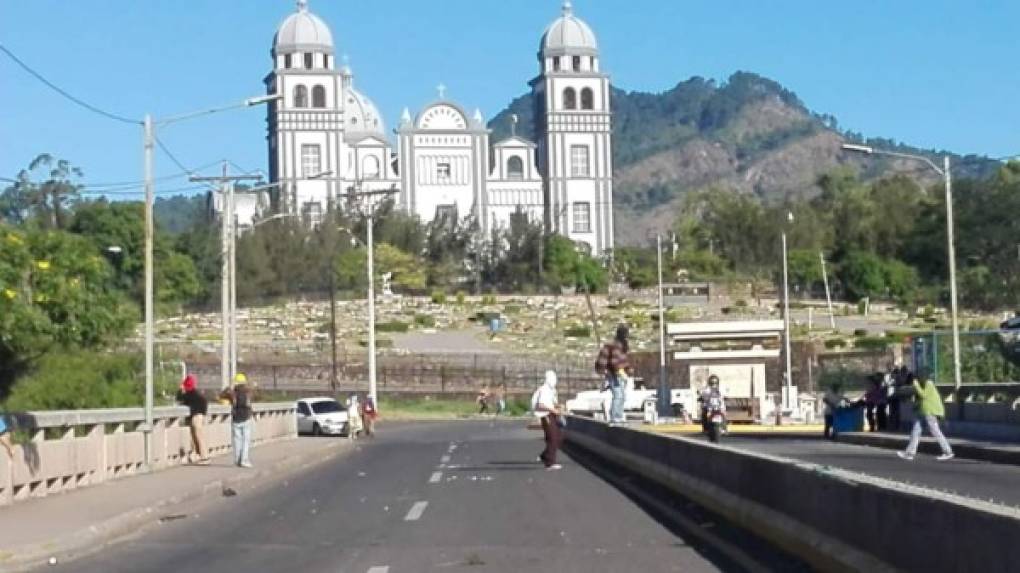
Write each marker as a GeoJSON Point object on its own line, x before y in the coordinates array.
{"type": "Point", "coordinates": [85, 519]}
{"type": "Point", "coordinates": [995, 452]}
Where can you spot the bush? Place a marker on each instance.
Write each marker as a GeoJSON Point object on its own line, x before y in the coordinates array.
{"type": "Point", "coordinates": [379, 343]}
{"type": "Point", "coordinates": [425, 320]}
{"type": "Point", "coordinates": [461, 297]}
{"type": "Point", "coordinates": [579, 331]}
{"type": "Point", "coordinates": [486, 316]}
{"type": "Point", "coordinates": [489, 300]}
{"type": "Point", "coordinates": [512, 309]}
{"type": "Point", "coordinates": [438, 297]}
{"type": "Point", "coordinates": [76, 380]}
{"type": "Point", "coordinates": [860, 332]}
{"type": "Point", "coordinates": [872, 343]}
{"type": "Point", "coordinates": [833, 343]}
{"type": "Point", "coordinates": [394, 326]}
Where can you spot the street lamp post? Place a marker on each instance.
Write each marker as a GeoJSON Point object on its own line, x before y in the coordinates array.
{"type": "Point", "coordinates": [664, 395]}
{"type": "Point", "coordinates": [946, 173]}
{"type": "Point", "coordinates": [788, 390]}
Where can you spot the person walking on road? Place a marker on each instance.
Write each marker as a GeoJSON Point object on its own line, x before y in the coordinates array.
{"type": "Point", "coordinates": [545, 405]}
{"type": "Point", "coordinates": [240, 398]}
{"type": "Point", "coordinates": [928, 407]}
{"type": "Point", "coordinates": [368, 414]}
{"type": "Point", "coordinates": [198, 407]}
{"type": "Point", "coordinates": [834, 400]}
{"type": "Point", "coordinates": [483, 401]}
{"type": "Point", "coordinates": [612, 363]}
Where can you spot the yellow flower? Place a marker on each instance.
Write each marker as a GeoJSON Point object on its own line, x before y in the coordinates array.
{"type": "Point", "coordinates": [43, 265]}
{"type": "Point", "coordinates": [41, 298]}
{"type": "Point", "coordinates": [10, 293]}
{"type": "Point", "coordinates": [75, 282]}
{"type": "Point", "coordinates": [14, 239]}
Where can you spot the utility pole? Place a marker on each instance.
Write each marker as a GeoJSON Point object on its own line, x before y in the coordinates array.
{"type": "Point", "coordinates": [332, 323]}
{"type": "Point", "coordinates": [148, 145]}
{"type": "Point", "coordinates": [228, 347]}
{"type": "Point", "coordinates": [788, 390]}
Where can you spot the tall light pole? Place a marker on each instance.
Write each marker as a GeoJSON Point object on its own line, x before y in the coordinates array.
{"type": "Point", "coordinates": [664, 395]}
{"type": "Point", "coordinates": [788, 393]}
{"type": "Point", "coordinates": [946, 173]}
{"type": "Point", "coordinates": [150, 318]}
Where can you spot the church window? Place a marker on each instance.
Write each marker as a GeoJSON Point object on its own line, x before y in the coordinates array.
{"type": "Point", "coordinates": [582, 217]}
{"type": "Point", "coordinates": [311, 160]}
{"type": "Point", "coordinates": [311, 214]}
{"type": "Point", "coordinates": [308, 60]}
{"type": "Point", "coordinates": [300, 96]}
{"type": "Point", "coordinates": [286, 62]}
{"type": "Point", "coordinates": [318, 96]}
{"type": "Point", "coordinates": [587, 99]}
{"type": "Point", "coordinates": [556, 64]}
{"type": "Point", "coordinates": [446, 214]}
{"type": "Point", "coordinates": [370, 167]}
{"type": "Point", "coordinates": [443, 171]}
{"type": "Point", "coordinates": [515, 168]}
{"type": "Point", "coordinates": [580, 165]}
{"type": "Point", "coordinates": [326, 60]}
{"type": "Point", "coordinates": [577, 63]}
{"type": "Point", "coordinates": [569, 98]}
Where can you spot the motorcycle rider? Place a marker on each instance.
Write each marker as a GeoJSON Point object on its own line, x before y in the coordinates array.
{"type": "Point", "coordinates": [712, 393]}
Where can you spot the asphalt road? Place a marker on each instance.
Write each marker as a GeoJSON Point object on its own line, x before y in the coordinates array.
{"type": "Point", "coordinates": [437, 497]}
{"type": "Point", "coordinates": [971, 478]}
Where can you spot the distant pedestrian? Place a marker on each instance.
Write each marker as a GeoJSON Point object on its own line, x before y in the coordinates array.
{"type": "Point", "coordinates": [368, 414]}
{"type": "Point", "coordinates": [899, 379]}
{"type": "Point", "coordinates": [612, 363]}
{"type": "Point", "coordinates": [241, 398]}
{"type": "Point", "coordinates": [5, 437]}
{"type": "Point", "coordinates": [499, 398]}
{"type": "Point", "coordinates": [928, 407]}
{"type": "Point", "coordinates": [355, 423]}
{"type": "Point", "coordinates": [875, 403]}
{"type": "Point", "coordinates": [483, 401]}
{"type": "Point", "coordinates": [545, 405]}
{"type": "Point", "coordinates": [198, 407]}
{"type": "Point", "coordinates": [834, 400]}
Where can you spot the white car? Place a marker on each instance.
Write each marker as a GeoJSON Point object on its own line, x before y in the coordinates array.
{"type": "Point", "coordinates": [322, 416]}
{"type": "Point", "coordinates": [596, 402]}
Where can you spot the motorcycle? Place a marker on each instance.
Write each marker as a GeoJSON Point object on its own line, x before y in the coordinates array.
{"type": "Point", "coordinates": [715, 419]}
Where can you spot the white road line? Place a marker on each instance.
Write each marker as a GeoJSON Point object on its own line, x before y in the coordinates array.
{"type": "Point", "coordinates": [379, 569]}
{"type": "Point", "coordinates": [436, 477]}
{"type": "Point", "coordinates": [444, 460]}
{"type": "Point", "coordinates": [416, 510]}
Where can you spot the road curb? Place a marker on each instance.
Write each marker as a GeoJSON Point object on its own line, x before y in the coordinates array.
{"type": "Point", "coordinates": [99, 535]}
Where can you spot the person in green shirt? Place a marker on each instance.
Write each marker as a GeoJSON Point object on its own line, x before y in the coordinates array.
{"type": "Point", "coordinates": [928, 408]}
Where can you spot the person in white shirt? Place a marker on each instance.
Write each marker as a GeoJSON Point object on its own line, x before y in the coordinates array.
{"type": "Point", "coordinates": [545, 405]}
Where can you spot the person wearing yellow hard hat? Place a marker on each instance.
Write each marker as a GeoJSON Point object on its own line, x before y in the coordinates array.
{"type": "Point", "coordinates": [240, 398]}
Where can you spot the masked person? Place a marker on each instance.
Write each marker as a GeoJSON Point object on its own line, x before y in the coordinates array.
{"type": "Point", "coordinates": [198, 407]}
{"type": "Point", "coordinates": [545, 405]}
{"type": "Point", "coordinates": [612, 362]}
{"type": "Point", "coordinates": [711, 392]}
{"type": "Point", "coordinates": [241, 399]}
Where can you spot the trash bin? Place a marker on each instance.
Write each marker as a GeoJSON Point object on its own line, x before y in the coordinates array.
{"type": "Point", "coordinates": [650, 411]}
{"type": "Point", "coordinates": [849, 419]}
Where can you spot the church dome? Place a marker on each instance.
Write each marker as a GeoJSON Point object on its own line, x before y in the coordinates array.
{"type": "Point", "coordinates": [568, 35]}
{"type": "Point", "coordinates": [303, 31]}
{"type": "Point", "coordinates": [361, 115]}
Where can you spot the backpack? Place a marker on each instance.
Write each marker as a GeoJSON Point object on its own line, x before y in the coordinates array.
{"type": "Point", "coordinates": [603, 362]}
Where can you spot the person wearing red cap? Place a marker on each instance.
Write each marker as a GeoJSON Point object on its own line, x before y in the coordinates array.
{"type": "Point", "coordinates": [198, 407]}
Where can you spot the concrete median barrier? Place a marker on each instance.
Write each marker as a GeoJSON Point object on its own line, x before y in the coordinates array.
{"type": "Point", "coordinates": [836, 520]}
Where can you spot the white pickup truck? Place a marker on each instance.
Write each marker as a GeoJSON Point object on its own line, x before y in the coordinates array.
{"type": "Point", "coordinates": [596, 402]}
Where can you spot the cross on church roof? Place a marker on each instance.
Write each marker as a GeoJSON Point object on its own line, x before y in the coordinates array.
{"type": "Point", "coordinates": [442, 90]}
{"type": "Point", "coordinates": [302, 5]}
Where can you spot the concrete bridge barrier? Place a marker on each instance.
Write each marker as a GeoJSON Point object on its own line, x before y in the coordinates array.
{"type": "Point", "coordinates": [75, 448]}
{"type": "Point", "coordinates": [837, 520]}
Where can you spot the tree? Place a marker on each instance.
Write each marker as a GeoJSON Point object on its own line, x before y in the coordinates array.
{"type": "Point", "coordinates": [44, 193]}
{"type": "Point", "coordinates": [54, 293]}
{"type": "Point", "coordinates": [862, 275]}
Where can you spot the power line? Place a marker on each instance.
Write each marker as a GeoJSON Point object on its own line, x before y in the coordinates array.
{"type": "Point", "coordinates": [139, 182]}
{"type": "Point", "coordinates": [62, 92]}
{"type": "Point", "coordinates": [173, 157]}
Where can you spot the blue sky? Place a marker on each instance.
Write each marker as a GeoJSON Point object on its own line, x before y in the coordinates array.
{"type": "Point", "coordinates": [935, 73]}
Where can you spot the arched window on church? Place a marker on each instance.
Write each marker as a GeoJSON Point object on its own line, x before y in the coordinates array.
{"type": "Point", "coordinates": [569, 98]}
{"type": "Point", "coordinates": [300, 96]}
{"type": "Point", "coordinates": [309, 60]}
{"type": "Point", "coordinates": [587, 99]}
{"type": "Point", "coordinates": [515, 168]}
{"type": "Point", "coordinates": [370, 167]}
{"type": "Point", "coordinates": [318, 96]}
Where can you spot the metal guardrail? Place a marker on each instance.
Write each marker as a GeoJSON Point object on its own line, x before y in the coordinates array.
{"type": "Point", "coordinates": [68, 449]}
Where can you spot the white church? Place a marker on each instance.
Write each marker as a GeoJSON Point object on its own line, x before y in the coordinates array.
{"type": "Point", "coordinates": [328, 140]}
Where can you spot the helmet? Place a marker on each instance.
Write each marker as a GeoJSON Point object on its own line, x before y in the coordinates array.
{"type": "Point", "coordinates": [240, 378]}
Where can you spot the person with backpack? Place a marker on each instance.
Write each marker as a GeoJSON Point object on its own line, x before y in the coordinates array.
{"type": "Point", "coordinates": [612, 363]}
{"type": "Point", "coordinates": [240, 398]}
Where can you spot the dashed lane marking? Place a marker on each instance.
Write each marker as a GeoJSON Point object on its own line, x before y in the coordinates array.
{"type": "Point", "coordinates": [436, 477]}
{"type": "Point", "coordinates": [444, 460]}
{"type": "Point", "coordinates": [416, 510]}
{"type": "Point", "coordinates": [379, 569]}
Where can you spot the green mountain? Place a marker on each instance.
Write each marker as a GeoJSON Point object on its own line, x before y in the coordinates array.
{"type": "Point", "coordinates": [748, 133]}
